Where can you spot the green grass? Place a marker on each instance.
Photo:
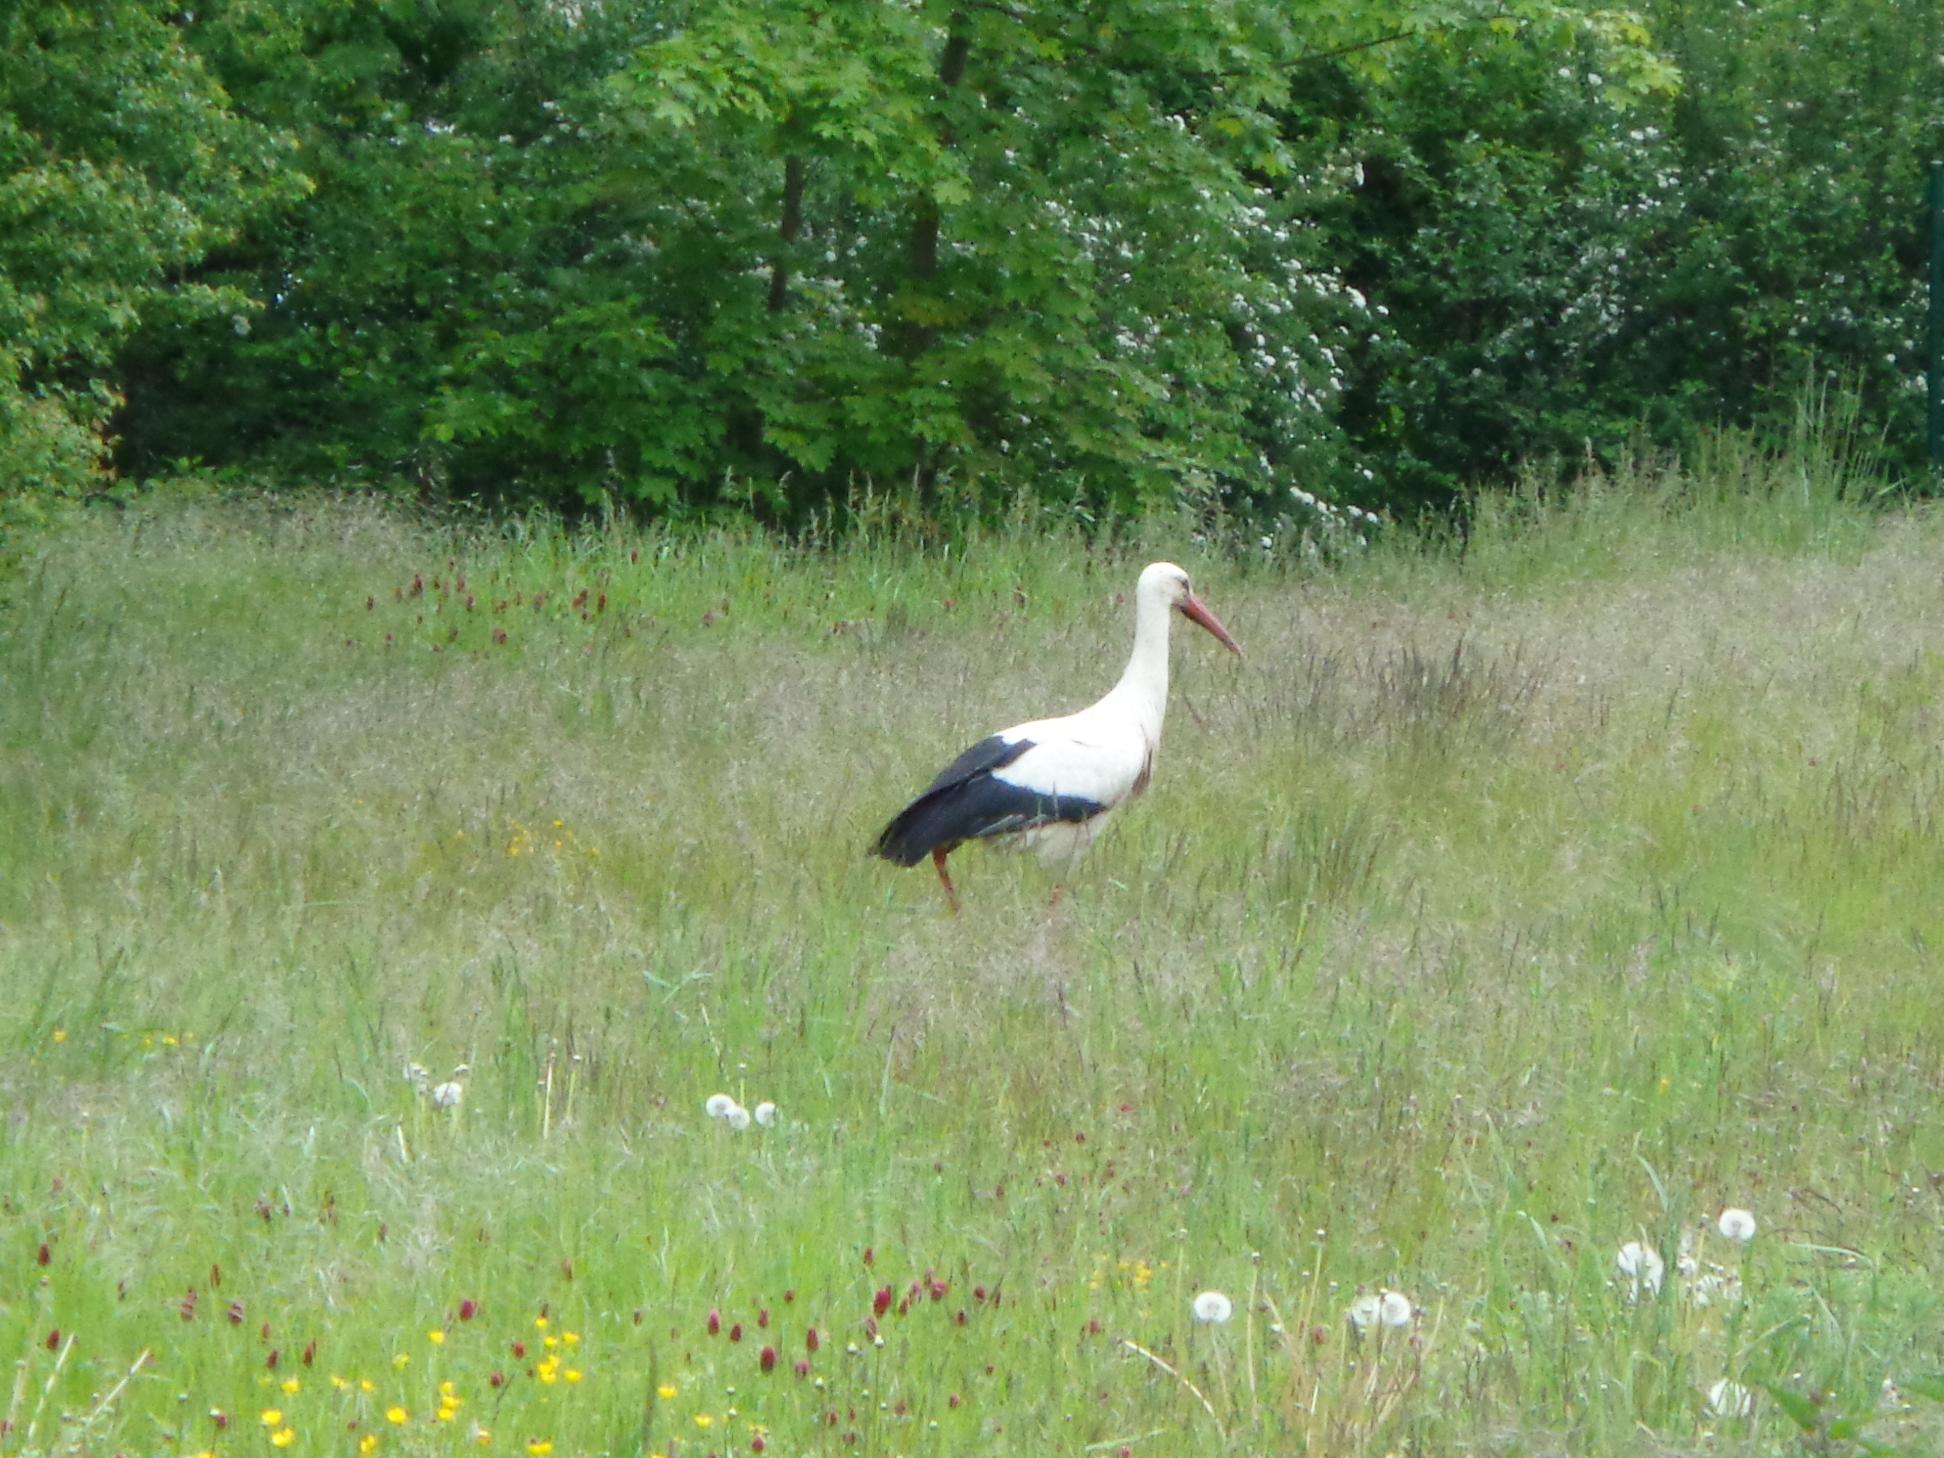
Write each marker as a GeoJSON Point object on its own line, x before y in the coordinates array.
{"type": "Point", "coordinates": [1505, 905]}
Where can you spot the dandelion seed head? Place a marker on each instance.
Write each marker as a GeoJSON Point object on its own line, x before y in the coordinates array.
{"type": "Point", "coordinates": [737, 1118]}
{"type": "Point", "coordinates": [766, 1113]}
{"type": "Point", "coordinates": [719, 1105]}
{"type": "Point", "coordinates": [1394, 1309]}
{"type": "Point", "coordinates": [1642, 1266]}
{"type": "Point", "coordinates": [1213, 1307]}
{"type": "Point", "coordinates": [449, 1095]}
{"type": "Point", "coordinates": [1366, 1311]}
{"type": "Point", "coordinates": [1736, 1223]}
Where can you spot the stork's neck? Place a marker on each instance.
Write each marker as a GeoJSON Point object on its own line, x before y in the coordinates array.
{"type": "Point", "coordinates": [1143, 686]}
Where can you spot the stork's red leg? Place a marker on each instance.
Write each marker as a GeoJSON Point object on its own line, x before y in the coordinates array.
{"type": "Point", "coordinates": [951, 892]}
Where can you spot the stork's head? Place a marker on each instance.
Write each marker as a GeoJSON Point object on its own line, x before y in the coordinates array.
{"type": "Point", "coordinates": [1167, 583]}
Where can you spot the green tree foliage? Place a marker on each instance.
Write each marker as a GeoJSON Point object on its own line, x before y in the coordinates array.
{"type": "Point", "coordinates": [692, 257]}
{"type": "Point", "coordinates": [630, 251]}
{"type": "Point", "coordinates": [121, 167]}
{"type": "Point", "coordinates": [1561, 273]}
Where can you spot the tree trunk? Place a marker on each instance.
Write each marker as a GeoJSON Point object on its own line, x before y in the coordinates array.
{"type": "Point", "coordinates": [916, 336]}
{"type": "Point", "coordinates": [792, 224]}
{"type": "Point", "coordinates": [925, 218]}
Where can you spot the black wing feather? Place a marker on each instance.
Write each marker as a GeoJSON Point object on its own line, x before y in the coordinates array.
{"type": "Point", "coordinates": [965, 803]}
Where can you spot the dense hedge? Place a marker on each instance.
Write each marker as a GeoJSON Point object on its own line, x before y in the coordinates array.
{"type": "Point", "coordinates": [746, 255]}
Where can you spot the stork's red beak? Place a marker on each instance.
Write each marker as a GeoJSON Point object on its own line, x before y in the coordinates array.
{"type": "Point", "coordinates": [1192, 608]}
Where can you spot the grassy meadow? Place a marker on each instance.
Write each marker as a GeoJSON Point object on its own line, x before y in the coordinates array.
{"type": "Point", "coordinates": [1504, 907]}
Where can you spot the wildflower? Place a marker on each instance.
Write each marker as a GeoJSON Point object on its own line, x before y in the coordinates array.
{"type": "Point", "coordinates": [468, 1309]}
{"type": "Point", "coordinates": [666, 1392]}
{"type": "Point", "coordinates": [272, 1416]}
{"type": "Point", "coordinates": [1737, 1224]}
{"type": "Point", "coordinates": [539, 1447]}
{"type": "Point", "coordinates": [1213, 1307]}
{"type": "Point", "coordinates": [1366, 1311]}
{"type": "Point", "coordinates": [396, 1415]}
{"type": "Point", "coordinates": [436, 1337]}
{"type": "Point", "coordinates": [737, 1118]}
{"type": "Point", "coordinates": [283, 1437]}
{"type": "Point", "coordinates": [719, 1105]}
{"type": "Point", "coordinates": [1642, 1266]}
{"type": "Point", "coordinates": [339, 1384]}
{"type": "Point", "coordinates": [60, 1035]}
{"type": "Point", "coordinates": [449, 1094]}
{"type": "Point", "coordinates": [766, 1113]}
{"type": "Point", "coordinates": [367, 1445]}
{"type": "Point", "coordinates": [417, 1075]}
{"type": "Point", "coordinates": [292, 1385]}
{"type": "Point", "coordinates": [365, 1384]}
{"type": "Point", "coordinates": [572, 1374]}
{"type": "Point", "coordinates": [1394, 1309]}
{"type": "Point", "coordinates": [703, 1420]}
{"type": "Point", "coordinates": [1730, 1399]}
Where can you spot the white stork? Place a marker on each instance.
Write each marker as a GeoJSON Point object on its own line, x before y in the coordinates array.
{"type": "Point", "coordinates": [1051, 784]}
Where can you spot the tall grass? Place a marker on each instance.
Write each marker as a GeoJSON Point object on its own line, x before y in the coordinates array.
{"type": "Point", "coordinates": [1506, 905]}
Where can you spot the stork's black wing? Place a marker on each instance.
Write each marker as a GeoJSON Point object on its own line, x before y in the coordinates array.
{"type": "Point", "coordinates": [966, 802]}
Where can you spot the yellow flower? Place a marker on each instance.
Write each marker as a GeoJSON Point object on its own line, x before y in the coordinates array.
{"type": "Point", "coordinates": [367, 1445]}
{"type": "Point", "coordinates": [445, 1414]}
{"type": "Point", "coordinates": [293, 1385]}
{"type": "Point", "coordinates": [572, 1374]}
{"type": "Point", "coordinates": [665, 1391]}
{"type": "Point", "coordinates": [338, 1383]}
{"type": "Point", "coordinates": [60, 1035]}
{"type": "Point", "coordinates": [400, 1360]}
{"type": "Point", "coordinates": [448, 1393]}
{"type": "Point", "coordinates": [703, 1420]}
{"type": "Point", "coordinates": [271, 1416]}
{"type": "Point", "coordinates": [482, 1436]}
{"type": "Point", "coordinates": [168, 1040]}
{"type": "Point", "coordinates": [547, 1372]}
{"type": "Point", "coordinates": [397, 1415]}
{"type": "Point", "coordinates": [540, 1322]}
{"type": "Point", "coordinates": [539, 1447]}
{"type": "Point", "coordinates": [572, 1338]}
{"type": "Point", "coordinates": [284, 1437]}
{"type": "Point", "coordinates": [436, 1337]}
{"type": "Point", "coordinates": [550, 1342]}
{"type": "Point", "coordinates": [365, 1384]}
